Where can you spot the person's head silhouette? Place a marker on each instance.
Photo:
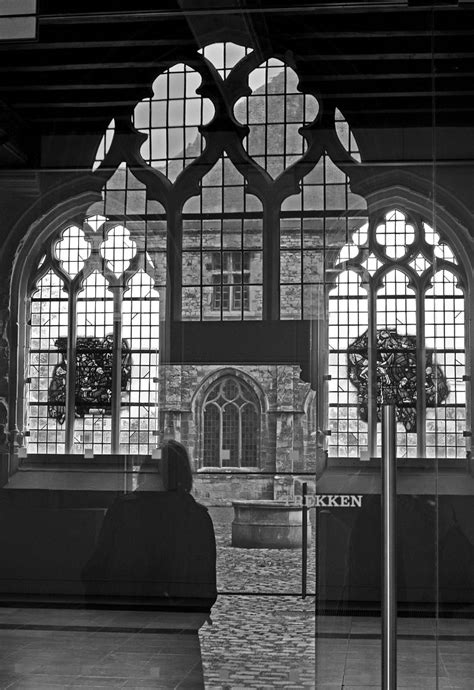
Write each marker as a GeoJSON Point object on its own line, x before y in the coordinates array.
{"type": "Point", "coordinates": [176, 468]}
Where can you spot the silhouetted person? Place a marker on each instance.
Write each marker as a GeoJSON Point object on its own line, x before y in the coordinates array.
{"type": "Point", "coordinates": [157, 543]}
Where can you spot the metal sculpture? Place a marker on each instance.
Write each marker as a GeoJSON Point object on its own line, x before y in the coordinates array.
{"type": "Point", "coordinates": [396, 379]}
{"type": "Point", "coordinates": [93, 379]}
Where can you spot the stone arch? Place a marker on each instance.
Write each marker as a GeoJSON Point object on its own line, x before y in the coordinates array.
{"type": "Point", "coordinates": [29, 235]}
{"type": "Point", "coordinates": [201, 391]}
{"type": "Point", "coordinates": [199, 399]}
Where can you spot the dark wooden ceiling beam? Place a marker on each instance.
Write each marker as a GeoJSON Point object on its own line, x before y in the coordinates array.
{"type": "Point", "coordinates": [99, 105]}
{"type": "Point", "coordinates": [387, 57]}
{"type": "Point", "coordinates": [83, 102]}
{"type": "Point", "coordinates": [366, 59]}
{"type": "Point", "coordinates": [80, 66]}
{"type": "Point", "coordinates": [102, 45]}
{"type": "Point", "coordinates": [92, 40]}
{"type": "Point", "coordinates": [334, 7]}
{"type": "Point", "coordinates": [67, 86]}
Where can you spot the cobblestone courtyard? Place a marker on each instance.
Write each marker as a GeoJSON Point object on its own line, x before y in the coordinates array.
{"type": "Point", "coordinates": [259, 640]}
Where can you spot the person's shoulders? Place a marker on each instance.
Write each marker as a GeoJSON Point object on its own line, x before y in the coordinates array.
{"type": "Point", "coordinates": [196, 504]}
{"type": "Point", "coordinates": [160, 500]}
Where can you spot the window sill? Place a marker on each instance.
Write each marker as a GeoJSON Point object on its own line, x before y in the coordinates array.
{"type": "Point", "coordinates": [402, 463]}
{"type": "Point", "coordinates": [229, 470]}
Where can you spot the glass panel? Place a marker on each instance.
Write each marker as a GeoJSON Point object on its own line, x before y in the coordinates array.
{"type": "Point", "coordinates": [316, 207]}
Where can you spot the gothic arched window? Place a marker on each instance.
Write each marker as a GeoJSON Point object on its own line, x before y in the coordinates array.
{"type": "Point", "coordinates": [231, 425]}
{"type": "Point", "coordinates": [396, 334]}
{"type": "Point", "coordinates": [241, 158]}
{"type": "Point", "coordinates": [229, 186]}
{"type": "Point", "coordinates": [93, 342]}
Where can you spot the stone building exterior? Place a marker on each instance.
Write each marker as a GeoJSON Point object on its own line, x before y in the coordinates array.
{"type": "Point", "coordinates": [286, 428]}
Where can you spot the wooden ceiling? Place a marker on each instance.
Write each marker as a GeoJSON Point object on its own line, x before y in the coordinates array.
{"type": "Point", "coordinates": [385, 63]}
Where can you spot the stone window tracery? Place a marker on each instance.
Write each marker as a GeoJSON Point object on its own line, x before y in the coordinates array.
{"type": "Point", "coordinates": [231, 425]}
{"type": "Point", "coordinates": [396, 334]}
{"type": "Point", "coordinates": [93, 342]}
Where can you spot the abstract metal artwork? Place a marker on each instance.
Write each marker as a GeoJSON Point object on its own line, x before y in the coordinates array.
{"type": "Point", "coordinates": [93, 377]}
{"type": "Point", "coordinates": [396, 377]}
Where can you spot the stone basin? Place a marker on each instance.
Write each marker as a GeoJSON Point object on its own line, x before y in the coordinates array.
{"type": "Point", "coordinates": [267, 524]}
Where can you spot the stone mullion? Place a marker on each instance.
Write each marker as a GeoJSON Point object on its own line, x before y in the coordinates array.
{"type": "Point", "coordinates": [372, 416]}
{"type": "Point", "coordinates": [221, 434]}
{"type": "Point", "coordinates": [271, 258]}
{"type": "Point", "coordinates": [116, 370]}
{"type": "Point", "coordinates": [420, 375]}
{"type": "Point", "coordinates": [175, 269]}
{"type": "Point", "coordinates": [239, 436]}
{"type": "Point", "coordinates": [70, 401]}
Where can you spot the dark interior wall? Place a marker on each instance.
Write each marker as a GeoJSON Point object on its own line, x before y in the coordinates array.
{"type": "Point", "coordinates": [435, 552]}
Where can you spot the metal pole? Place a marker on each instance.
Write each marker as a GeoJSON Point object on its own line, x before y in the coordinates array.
{"type": "Point", "coordinates": [389, 578]}
{"type": "Point", "coordinates": [304, 536]}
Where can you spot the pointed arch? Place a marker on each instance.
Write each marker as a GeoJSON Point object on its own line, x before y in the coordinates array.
{"type": "Point", "coordinates": [231, 424]}
{"type": "Point", "coordinates": [411, 347]}
{"type": "Point", "coordinates": [86, 384]}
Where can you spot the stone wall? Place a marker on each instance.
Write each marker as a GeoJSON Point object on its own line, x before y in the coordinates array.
{"type": "Point", "coordinates": [287, 424]}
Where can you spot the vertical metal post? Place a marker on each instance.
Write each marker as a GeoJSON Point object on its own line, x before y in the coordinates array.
{"type": "Point", "coordinates": [304, 536]}
{"type": "Point", "coordinates": [389, 551]}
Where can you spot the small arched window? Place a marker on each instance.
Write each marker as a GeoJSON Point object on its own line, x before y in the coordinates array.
{"type": "Point", "coordinates": [231, 423]}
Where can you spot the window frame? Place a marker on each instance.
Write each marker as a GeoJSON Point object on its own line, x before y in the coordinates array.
{"type": "Point", "coordinates": [414, 207]}
{"type": "Point", "coordinates": [25, 280]}
{"type": "Point", "coordinates": [218, 379]}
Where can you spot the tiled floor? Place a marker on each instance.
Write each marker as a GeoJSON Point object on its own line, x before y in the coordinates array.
{"type": "Point", "coordinates": [437, 654]}
{"type": "Point", "coordinates": [254, 642]}
{"type": "Point", "coordinates": [43, 649]}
